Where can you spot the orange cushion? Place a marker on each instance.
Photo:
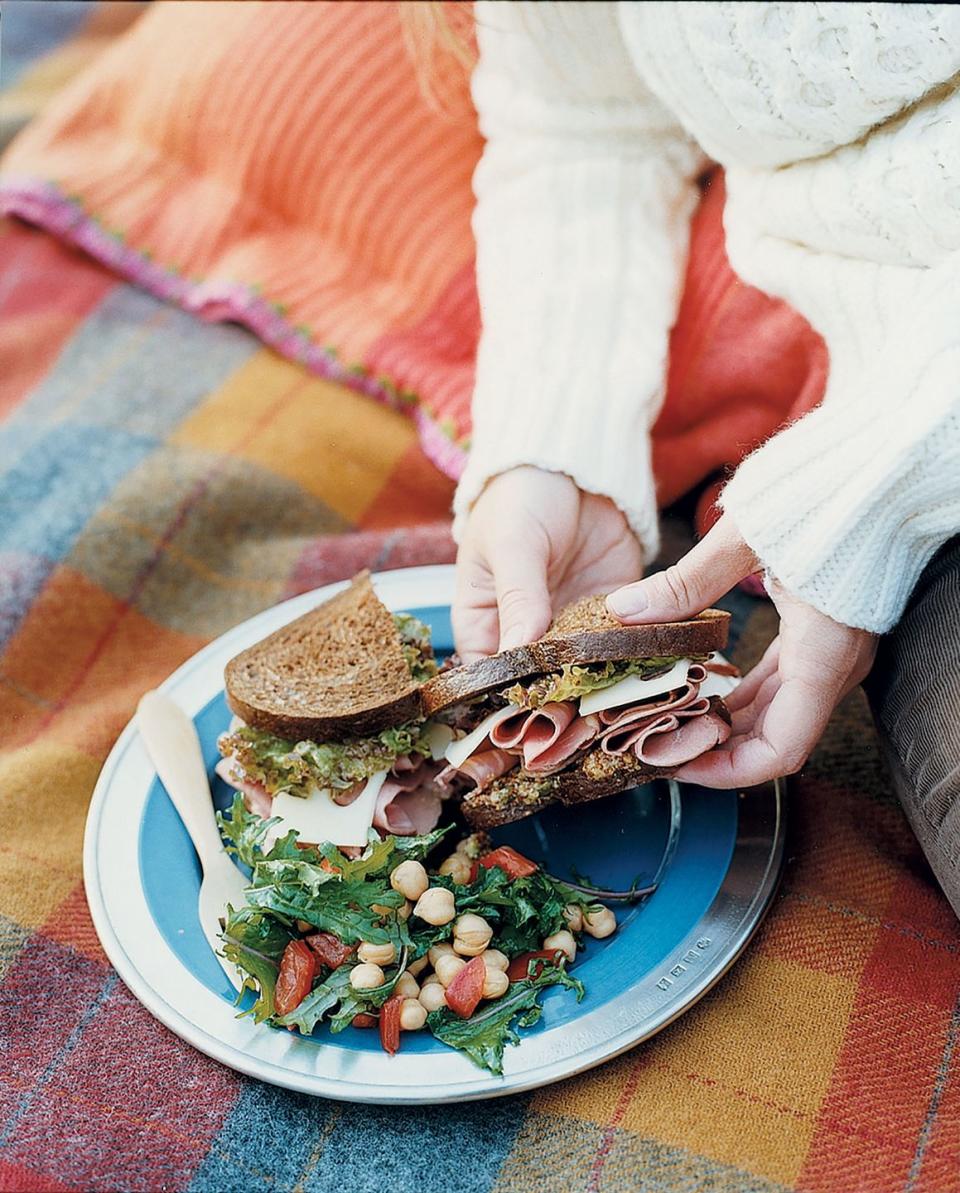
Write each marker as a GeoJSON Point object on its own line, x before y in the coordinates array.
{"type": "Point", "coordinates": [278, 164]}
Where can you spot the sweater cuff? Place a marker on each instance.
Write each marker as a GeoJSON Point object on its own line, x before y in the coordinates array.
{"type": "Point", "coordinates": [847, 506]}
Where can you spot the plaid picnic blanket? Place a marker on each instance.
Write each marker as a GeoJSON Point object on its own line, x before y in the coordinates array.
{"type": "Point", "coordinates": [160, 480]}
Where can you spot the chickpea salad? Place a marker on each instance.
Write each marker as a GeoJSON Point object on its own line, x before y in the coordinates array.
{"type": "Point", "coordinates": [381, 941]}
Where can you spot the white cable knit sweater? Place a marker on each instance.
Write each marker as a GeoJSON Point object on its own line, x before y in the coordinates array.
{"type": "Point", "coordinates": [839, 128]}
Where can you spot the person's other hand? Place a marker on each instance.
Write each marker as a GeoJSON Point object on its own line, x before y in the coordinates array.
{"type": "Point", "coordinates": [782, 706]}
{"type": "Point", "coordinates": [533, 543]}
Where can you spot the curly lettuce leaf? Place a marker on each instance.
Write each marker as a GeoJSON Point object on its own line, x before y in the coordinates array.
{"type": "Point", "coordinates": [292, 871]}
{"type": "Point", "coordinates": [342, 1018]}
{"type": "Point", "coordinates": [343, 907]}
{"type": "Point", "coordinates": [299, 767]}
{"type": "Point", "coordinates": [245, 832]}
{"type": "Point", "coordinates": [318, 1002]}
{"type": "Point", "coordinates": [484, 1036]}
{"type": "Point", "coordinates": [417, 649]}
{"type": "Point", "coordinates": [255, 942]}
{"type": "Point", "coordinates": [383, 855]}
{"type": "Point", "coordinates": [574, 680]}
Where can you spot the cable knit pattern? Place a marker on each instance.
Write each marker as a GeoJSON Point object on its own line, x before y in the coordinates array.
{"type": "Point", "coordinates": [584, 198]}
{"type": "Point", "coordinates": [836, 124]}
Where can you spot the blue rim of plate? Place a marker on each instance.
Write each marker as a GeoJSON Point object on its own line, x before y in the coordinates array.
{"type": "Point", "coordinates": [141, 877]}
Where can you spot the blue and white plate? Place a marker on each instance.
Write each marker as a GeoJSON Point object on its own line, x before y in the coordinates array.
{"type": "Point", "coordinates": [142, 880]}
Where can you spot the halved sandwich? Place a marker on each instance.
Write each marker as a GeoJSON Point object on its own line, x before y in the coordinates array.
{"type": "Point", "coordinates": [344, 721]}
{"type": "Point", "coordinates": [329, 733]}
{"type": "Point", "coordinates": [592, 708]}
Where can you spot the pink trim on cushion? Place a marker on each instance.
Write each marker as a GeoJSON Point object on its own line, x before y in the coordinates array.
{"type": "Point", "coordinates": [42, 203]}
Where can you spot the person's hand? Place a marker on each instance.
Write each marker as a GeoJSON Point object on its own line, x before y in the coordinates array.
{"type": "Point", "coordinates": [782, 706]}
{"type": "Point", "coordinates": [533, 543]}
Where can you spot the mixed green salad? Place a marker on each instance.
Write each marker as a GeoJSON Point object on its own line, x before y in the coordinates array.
{"type": "Point", "coordinates": [376, 940]}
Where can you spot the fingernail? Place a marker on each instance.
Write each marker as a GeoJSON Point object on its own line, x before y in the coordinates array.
{"type": "Point", "coordinates": [511, 637]}
{"type": "Point", "coordinates": [627, 601]}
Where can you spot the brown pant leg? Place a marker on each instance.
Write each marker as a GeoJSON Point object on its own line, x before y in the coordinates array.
{"type": "Point", "coordinates": [914, 692]}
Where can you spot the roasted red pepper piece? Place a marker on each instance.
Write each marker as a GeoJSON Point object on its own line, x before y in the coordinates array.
{"type": "Point", "coordinates": [364, 1020]}
{"type": "Point", "coordinates": [330, 949]}
{"type": "Point", "coordinates": [466, 989]}
{"type": "Point", "coordinates": [390, 1024]}
{"type": "Point", "coordinates": [518, 969]}
{"type": "Point", "coordinates": [298, 968]}
{"type": "Point", "coordinates": [513, 864]}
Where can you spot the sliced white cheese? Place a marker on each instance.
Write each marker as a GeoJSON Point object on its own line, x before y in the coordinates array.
{"type": "Point", "coordinates": [317, 818]}
{"type": "Point", "coordinates": [438, 737]}
{"type": "Point", "coordinates": [634, 689]}
{"type": "Point", "coordinates": [718, 685]}
{"type": "Point", "coordinates": [459, 751]}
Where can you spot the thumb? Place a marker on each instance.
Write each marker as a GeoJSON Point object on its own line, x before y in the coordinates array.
{"type": "Point", "coordinates": [523, 598]}
{"type": "Point", "coordinates": [706, 572]}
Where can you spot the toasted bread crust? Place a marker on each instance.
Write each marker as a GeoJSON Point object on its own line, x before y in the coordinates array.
{"type": "Point", "coordinates": [514, 797]}
{"type": "Point", "coordinates": [328, 729]}
{"type": "Point", "coordinates": [565, 643]}
{"type": "Point", "coordinates": [337, 671]}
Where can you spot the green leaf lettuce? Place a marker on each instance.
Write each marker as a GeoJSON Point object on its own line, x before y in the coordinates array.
{"type": "Point", "coordinates": [484, 1036]}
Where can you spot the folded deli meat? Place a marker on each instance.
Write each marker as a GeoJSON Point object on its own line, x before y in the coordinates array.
{"type": "Point", "coordinates": [663, 721]}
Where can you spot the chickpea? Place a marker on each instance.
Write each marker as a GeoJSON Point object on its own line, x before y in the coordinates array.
{"type": "Point", "coordinates": [410, 879]}
{"type": "Point", "coordinates": [444, 949]}
{"type": "Point", "coordinates": [412, 1015]}
{"type": "Point", "coordinates": [462, 949]}
{"type": "Point", "coordinates": [494, 959]}
{"type": "Point", "coordinates": [366, 976]}
{"type": "Point", "coordinates": [495, 983]}
{"type": "Point", "coordinates": [600, 923]}
{"type": "Point", "coordinates": [432, 996]}
{"type": "Point", "coordinates": [379, 954]}
{"type": "Point", "coordinates": [406, 985]}
{"type": "Point", "coordinates": [474, 845]}
{"type": "Point", "coordinates": [471, 935]}
{"type": "Point", "coordinates": [458, 867]}
{"type": "Point", "coordinates": [405, 910]}
{"type": "Point", "coordinates": [573, 914]}
{"type": "Point", "coordinates": [470, 926]}
{"type": "Point", "coordinates": [562, 940]}
{"type": "Point", "coordinates": [416, 968]}
{"type": "Point", "coordinates": [436, 906]}
{"type": "Point", "coordinates": [448, 968]}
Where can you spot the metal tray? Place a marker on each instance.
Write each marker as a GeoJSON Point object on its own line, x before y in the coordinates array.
{"type": "Point", "coordinates": [714, 858]}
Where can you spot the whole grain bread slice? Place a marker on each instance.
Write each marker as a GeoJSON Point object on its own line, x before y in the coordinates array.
{"type": "Point", "coordinates": [516, 796]}
{"type": "Point", "coordinates": [338, 671]}
{"type": "Point", "coordinates": [581, 633]}
{"type": "Point", "coordinates": [594, 775]}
